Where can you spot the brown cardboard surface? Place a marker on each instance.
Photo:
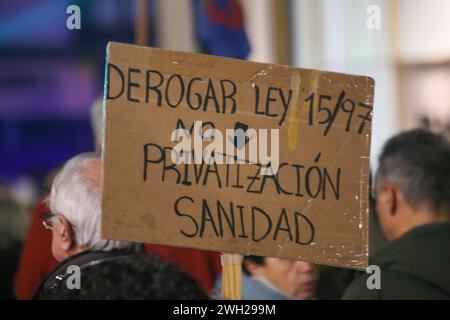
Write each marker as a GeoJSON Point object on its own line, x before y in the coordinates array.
{"type": "Point", "coordinates": [314, 209]}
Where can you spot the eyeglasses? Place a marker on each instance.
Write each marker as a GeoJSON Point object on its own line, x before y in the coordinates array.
{"type": "Point", "coordinates": [46, 222]}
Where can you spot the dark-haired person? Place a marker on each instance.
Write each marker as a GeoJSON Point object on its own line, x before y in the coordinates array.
{"type": "Point", "coordinates": [413, 208]}
{"type": "Point", "coordinates": [267, 278]}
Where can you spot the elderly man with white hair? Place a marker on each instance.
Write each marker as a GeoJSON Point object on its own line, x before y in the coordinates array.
{"type": "Point", "coordinates": [75, 222]}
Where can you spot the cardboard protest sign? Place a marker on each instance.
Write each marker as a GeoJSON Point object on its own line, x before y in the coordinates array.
{"type": "Point", "coordinates": [290, 149]}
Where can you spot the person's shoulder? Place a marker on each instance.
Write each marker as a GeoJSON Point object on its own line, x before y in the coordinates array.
{"type": "Point", "coordinates": [400, 285]}
{"type": "Point", "coordinates": [359, 290]}
{"type": "Point", "coordinates": [393, 285]}
{"type": "Point", "coordinates": [258, 289]}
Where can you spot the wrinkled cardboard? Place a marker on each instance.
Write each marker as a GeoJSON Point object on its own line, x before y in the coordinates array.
{"type": "Point", "coordinates": [143, 211]}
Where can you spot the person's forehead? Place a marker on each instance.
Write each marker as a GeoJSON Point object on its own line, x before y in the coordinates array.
{"type": "Point", "coordinates": [285, 262]}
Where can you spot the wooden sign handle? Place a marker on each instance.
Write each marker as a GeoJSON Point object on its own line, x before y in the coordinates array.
{"type": "Point", "coordinates": [231, 276]}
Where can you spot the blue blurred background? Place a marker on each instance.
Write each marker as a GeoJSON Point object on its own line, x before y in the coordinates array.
{"type": "Point", "coordinates": [49, 78]}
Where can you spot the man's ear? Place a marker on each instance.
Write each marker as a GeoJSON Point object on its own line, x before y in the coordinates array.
{"type": "Point", "coordinates": [253, 268]}
{"type": "Point", "coordinates": [66, 233]}
{"type": "Point", "coordinates": [391, 194]}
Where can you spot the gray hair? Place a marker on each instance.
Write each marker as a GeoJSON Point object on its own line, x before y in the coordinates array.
{"type": "Point", "coordinates": [76, 194]}
{"type": "Point", "coordinates": [418, 161]}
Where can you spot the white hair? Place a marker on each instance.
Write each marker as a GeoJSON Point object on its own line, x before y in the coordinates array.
{"type": "Point", "coordinates": [76, 194]}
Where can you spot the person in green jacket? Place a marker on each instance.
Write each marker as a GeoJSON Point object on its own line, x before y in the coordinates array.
{"type": "Point", "coordinates": [413, 209]}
